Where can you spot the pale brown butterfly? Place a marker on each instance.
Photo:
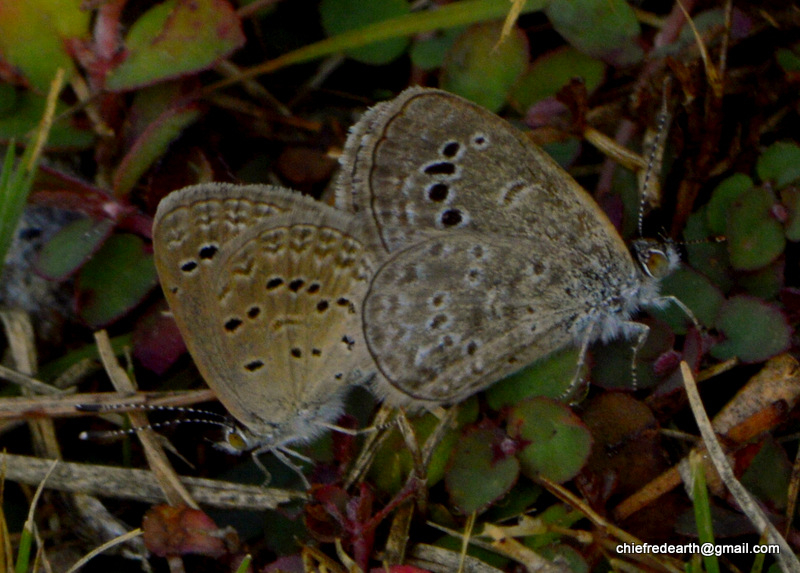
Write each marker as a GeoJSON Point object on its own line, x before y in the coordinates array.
{"type": "Point", "coordinates": [266, 287]}
{"type": "Point", "coordinates": [496, 256]}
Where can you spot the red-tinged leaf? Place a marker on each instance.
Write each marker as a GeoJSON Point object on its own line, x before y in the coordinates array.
{"type": "Point", "coordinates": [176, 38]}
{"type": "Point", "coordinates": [172, 530]}
{"type": "Point", "coordinates": [482, 468]}
{"type": "Point", "coordinates": [157, 343]}
{"type": "Point", "coordinates": [558, 442]}
{"type": "Point", "coordinates": [754, 330]}
{"type": "Point", "coordinates": [34, 36]}
{"type": "Point", "coordinates": [152, 145]}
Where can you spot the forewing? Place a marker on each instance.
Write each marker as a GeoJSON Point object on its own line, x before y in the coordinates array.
{"type": "Point", "coordinates": [429, 161]}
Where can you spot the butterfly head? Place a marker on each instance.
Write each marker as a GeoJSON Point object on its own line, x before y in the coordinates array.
{"type": "Point", "coordinates": [237, 439]}
{"type": "Point", "coordinates": [657, 259]}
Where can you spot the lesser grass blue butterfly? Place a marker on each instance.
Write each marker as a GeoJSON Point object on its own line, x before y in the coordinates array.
{"type": "Point", "coordinates": [496, 256]}
{"type": "Point", "coordinates": [266, 287]}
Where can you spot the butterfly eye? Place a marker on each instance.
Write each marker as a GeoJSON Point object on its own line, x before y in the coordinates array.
{"type": "Point", "coordinates": [234, 442]}
{"type": "Point", "coordinates": [656, 258]}
{"type": "Point", "coordinates": [655, 263]}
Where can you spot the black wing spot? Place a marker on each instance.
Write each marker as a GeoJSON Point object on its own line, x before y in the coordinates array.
{"type": "Point", "coordinates": [313, 288]}
{"type": "Point", "coordinates": [322, 306]}
{"type": "Point", "coordinates": [254, 365]}
{"type": "Point", "coordinates": [450, 149]}
{"type": "Point", "coordinates": [232, 324]}
{"type": "Point", "coordinates": [440, 168]}
{"type": "Point", "coordinates": [348, 341]}
{"type": "Point", "coordinates": [189, 267]}
{"type": "Point", "coordinates": [208, 252]}
{"type": "Point", "coordinates": [296, 285]}
{"type": "Point", "coordinates": [274, 283]}
{"type": "Point", "coordinates": [253, 311]}
{"type": "Point", "coordinates": [438, 192]}
{"type": "Point", "coordinates": [296, 353]}
{"type": "Point", "coordinates": [316, 352]}
{"type": "Point", "coordinates": [451, 217]}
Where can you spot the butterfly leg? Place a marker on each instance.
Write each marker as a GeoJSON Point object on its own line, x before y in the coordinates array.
{"type": "Point", "coordinates": [640, 331]}
{"type": "Point", "coordinates": [280, 453]}
{"type": "Point", "coordinates": [663, 301]}
{"type": "Point", "coordinates": [577, 378]}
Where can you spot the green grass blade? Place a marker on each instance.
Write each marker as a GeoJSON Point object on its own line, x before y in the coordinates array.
{"type": "Point", "coordinates": [15, 183]}
{"type": "Point", "coordinates": [702, 511]}
{"type": "Point", "coordinates": [449, 16]}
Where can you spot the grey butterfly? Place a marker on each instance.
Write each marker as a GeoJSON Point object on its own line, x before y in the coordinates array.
{"type": "Point", "coordinates": [266, 287]}
{"type": "Point", "coordinates": [495, 255]}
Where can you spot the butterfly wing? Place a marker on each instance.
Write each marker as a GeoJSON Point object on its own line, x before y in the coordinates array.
{"type": "Point", "coordinates": [191, 227]}
{"type": "Point", "coordinates": [429, 161]}
{"type": "Point", "coordinates": [453, 314]}
{"type": "Point", "coordinates": [272, 319]}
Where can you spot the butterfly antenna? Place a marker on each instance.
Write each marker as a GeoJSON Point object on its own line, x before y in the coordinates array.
{"type": "Point", "coordinates": [147, 408]}
{"type": "Point", "coordinates": [656, 149]}
{"type": "Point", "coordinates": [211, 418]}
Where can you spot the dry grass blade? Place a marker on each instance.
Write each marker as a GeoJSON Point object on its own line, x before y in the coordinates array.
{"type": "Point", "coordinates": [786, 557]}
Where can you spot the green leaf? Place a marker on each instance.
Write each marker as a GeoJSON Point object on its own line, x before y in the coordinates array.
{"type": "Point", "coordinates": [428, 53]}
{"type": "Point", "coordinates": [115, 280]}
{"type": "Point", "coordinates": [694, 290]}
{"type": "Point", "coordinates": [604, 29]}
{"type": "Point", "coordinates": [614, 361]}
{"type": "Point", "coordinates": [35, 36]}
{"type": "Point", "coordinates": [559, 442]}
{"type": "Point", "coordinates": [722, 197]}
{"type": "Point", "coordinates": [788, 59]}
{"type": "Point", "coordinates": [71, 246]}
{"type": "Point", "coordinates": [480, 473]}
{"type": "Point", "coordinates": [483, 69]}
{"type": "Point", "coordinates": [754, 330]}
{"type": "Point", "coordinates": [176, 38]}
{"type": "Point", "coordinates": [765, 283]}
{"type": "Point", "coordinates": [755, 236]}
{"type": "Point", "coordinates": [705, 256]}
{"type": "Point", "coordinates": [340, 16]}
{"type": "Point", "coordinates": [551, 377]}
{"type": "Point", "coordinates": [551, 72]}
{"type": "Point", "coordinates": [779, 164]}
{"type": "Point", "coordinates": [768, 476]}
{"type": "Point", "coordinates": [790, 197]}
